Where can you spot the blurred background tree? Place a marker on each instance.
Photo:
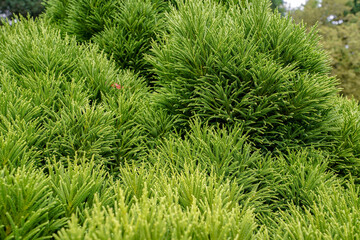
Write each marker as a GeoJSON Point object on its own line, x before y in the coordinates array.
{"type": "Point", "coordinates": [279, 5]}
{"type": "Point", "coordinates": [339, 25]}
{"type": "Point", "coordinates": [23, 7]}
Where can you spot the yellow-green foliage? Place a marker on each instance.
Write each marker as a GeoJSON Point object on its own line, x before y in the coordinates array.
{"type": "Point", "coordinates": [333, 215]}
{"type": "Point", "coordinates": [28, 209]}
{"type": "Point", "coordinates": [189, 205]}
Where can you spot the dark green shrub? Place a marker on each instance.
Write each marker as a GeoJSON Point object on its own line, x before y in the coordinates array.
{"type": "Point", "coordinates": [86, 18]}
{"type": "Point", "coordinates": [245, 65]}
{"type": "Point", "coordinates": [123, 29]}
{"type": "Point", "coordinates": [130, 33]}
{"type": "Point", "coordinates": [57, 11]}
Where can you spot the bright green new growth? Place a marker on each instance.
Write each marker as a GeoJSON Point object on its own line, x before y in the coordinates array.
{"type": "Point", "coordinates": [245, 65]}
{"type": "Point", "coordinates": [333, 215]}
{"type": "Point", "coordinates": [189, 205]}
{"type": "Point", "coordinates": [265, 183]}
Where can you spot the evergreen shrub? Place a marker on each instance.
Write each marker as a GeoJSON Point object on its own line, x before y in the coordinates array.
{"type": "Point", "coordinates": [78, 184]}
{"type": "Point", "coordinates": [333, 215]}
{"type": "Point", "coordinates": [345, 152]}
{"type": "Point", "coordinates": [61, 99]}
{"type": "Point", "coordinates": [243, 136]}
{"type": "Point", "coordinates": [28, 209]}
{"type": "Point", "coordinates": [245, 65]}
{"type": "Point", "coordinates": [188, 205]}
{"type": "Point", "coordinates": [268, 183]}
{"type": "Point", "coordinates": [123, 29]}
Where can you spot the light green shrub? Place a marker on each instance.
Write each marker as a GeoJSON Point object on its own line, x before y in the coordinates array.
{"type": "Point", "coordinates": [158, 210]}
{"type": "Point", "coordinates": [21, 137]}
{"type": "Point", "coordinates": [76, 185]}
{"type": "Point", "coordinates": [227, 154]}
{"type": "Point", "coordinates": [28, 209]}
{"type": "Point", "coordinates": [305, 172]}
{"type": "Point", "coordinates": [334, 215]}
{"type": "Point", "coordinates": [63, 99]}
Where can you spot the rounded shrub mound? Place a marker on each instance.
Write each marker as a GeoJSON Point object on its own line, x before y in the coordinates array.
{"type": "Point", "coordinates": [61, 99]}
{"type": "Point", "coordinates": [244, 64]}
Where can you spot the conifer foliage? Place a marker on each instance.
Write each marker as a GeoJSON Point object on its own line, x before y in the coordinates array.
{"type": "Point", "coordinates": [245, 65]}
{"type": "Point", "coordinates": [123, 29]}
{"type": "Point", "coordinates": [241, 134]}
{"type": "Point", "coordinates": [55, 97]}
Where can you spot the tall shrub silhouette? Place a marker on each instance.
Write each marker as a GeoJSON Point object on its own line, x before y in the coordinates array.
{"type": "Point", "coordinates": [245, 65]}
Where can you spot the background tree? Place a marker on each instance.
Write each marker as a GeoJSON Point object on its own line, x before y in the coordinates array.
{"type": "Point", "coordinates": [340, 30]}
{"type": "Point", "coordinates": [279, 5]}
{"type": "Point", "coordinates": [23, 7]}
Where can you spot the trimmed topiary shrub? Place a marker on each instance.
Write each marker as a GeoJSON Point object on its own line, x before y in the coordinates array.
{"type": "Point", "coordinates": [245, 65]}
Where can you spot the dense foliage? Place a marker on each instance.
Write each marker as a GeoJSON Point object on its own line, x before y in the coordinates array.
{"type": "Point", "coordinates": [240, 135]}
{"type": "Point", "coordinates": [245, 65]}
{"type": "Point", "coordinates": [122, 29]}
